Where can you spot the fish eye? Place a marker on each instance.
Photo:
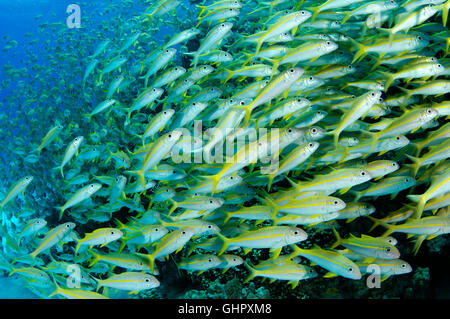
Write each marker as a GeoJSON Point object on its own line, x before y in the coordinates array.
{"type": "Point", "coordinates": [183, 232]}
{"type": "Point", "coordinates": [156, 229]}
{"type": "Point", "coordinates": [147, 280]}
{"type": "Point", "coordinates": [363, 173]}
{"type": "Point", "coordinates": [296, 233]}
{"type": "Point", "coordinates": [398, 138]}
{"type": "Point", "coordinates": [222, 25]}
{"type": "Point", "coordinates": [170, 135]}
{"type": "Point", "coordinates": [209, 260]}
{"type": "Point", "coordinates": [419, 38]}
{"type": "Point", "coordinates": [403, 265]}
{"type": "Point", "coordinates": [302, 12]}
{"type": "Point", "coordinates": [112, 233]}
{"type": "Point", "coordinates": [336, 202]}
{"type": "Point", "coordinates": [373, 94]}
{"type": "Point", "coordinates": [299, 100]}
{"type": "Point", "coordinates": [167, 51]}
{"type": "Point", "coordinates": [164, 112]}
{"type": "Point", "coordinates": [289, 130]}
{"type": "Point", "coordinates": [205, 68]}
{"type": "Point", "coordinates": [328, 42]}
{"type": "Point", "coordinates": [154, 90]}
{"type": "Point", "coordinates": [388, 250]}
{"type": "Point", "coordinates": [67, 226]}
{"type": "Point", "coordinates": [231, 101]}
{"type": "Point", "coordinates": [406, 179]}
{"type": "Point", "coordinates": [242, 103]}
{"type": "Point", "coordinates": [291, 70]}
{"type": "Point", "coordinates": [310, 145]}
{"type": "Point", "coordinates": [394, 165]}
{"type": "Point", "coordinates": [350, 67]}
{"type": "Point", "coordinates": [429, 111]}
{"type": "Point", "coordinates": [231, 177]}
{"type": "Point", "coordinates": [350, 269]}
{"type": "Point", "coordinates": [310, 78]}
{"type": "Point", "coordinates": [210, 201]}
{"type": "Point", "coordinates": [353, 96]}
{"type": "Point", "coordinates": [230, 9]}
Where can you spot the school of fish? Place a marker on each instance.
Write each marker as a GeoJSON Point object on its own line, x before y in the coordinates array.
{"type": "Point", "coordinates": [253, 126]}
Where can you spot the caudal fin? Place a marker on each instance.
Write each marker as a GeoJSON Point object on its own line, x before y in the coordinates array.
{"type": "Point", "coordinates": [421, 201]}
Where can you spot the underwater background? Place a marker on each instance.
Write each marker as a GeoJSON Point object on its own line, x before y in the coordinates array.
{"type": "Point", "coordinates": [43, 65]}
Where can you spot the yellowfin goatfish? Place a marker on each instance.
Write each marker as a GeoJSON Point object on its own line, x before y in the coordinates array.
{"type": "Point", "coordinates": [81, 195]}
{"type": "Point", "coordinates": [51, 135]}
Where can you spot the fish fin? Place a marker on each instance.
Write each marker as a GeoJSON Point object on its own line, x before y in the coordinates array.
{"type": "Point", "coordinates": [226, 243]}
{"type": "Point", "coordinates": [275, 252]}
{"type": "Point", "coordinates": [390, 228]}
{"type": "Point", "coordinates": [338, 238]}
{"type": "Point", "coordinates": [345, 190]}
{"type": "Point", "coordinates": [421, 204]}
{"type": "Point", "coordinates": [253, 272]}
{"type": "Point", "coordinates": [330, 275]}
{"type": "Point", "coordinates": [361, 50]}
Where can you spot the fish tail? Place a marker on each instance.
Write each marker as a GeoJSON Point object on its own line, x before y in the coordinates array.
{"type": "Point", "coordinates": [95, 260]}
{"type": "Point", "coordinates": [389, 79]}
{"type": "Point", "coordinates": [361, 50]}
{"type": "Point", "coordinates": [99, 283]}
{"type": "Point", "coordinates": [253, 272]}
{"type": "Point", "coordinates": [391, 34]}
{"type": "Point", "coordinates": [275, 64]}
{"type": "Point", "coordinates": [229, 76]}
{"type": "Point", "coordinates": [57, 288]}
{"type": "Point", "coordinates": [258, 46]}
{"type": "Point", "coordinates": [151, 260]}
{"type": "Point", "coordinates": [338, 238]}
{"type": "Point", "coordinates": [266, 199]}
{"type": "Point", "coordinates": [315, 12]}
{"type": "Point", "coordinates": [408, 92]}
{"type": "Point", "coordinates": [390, 228]}
{"type": "Point", "coordinates": [418, 243]}
{"type": "Point", "coordinates": [13, 270]}
{"type": "Point", "coordinates": [375, 225]}
{"type": "Point", "coordinates": [296, 251]}
{"type": "Point", "coordinates": [414, 167]}
{"type": "Point", "coordinates": [249, 57]}
{"type": "Point", "coordinates": [140, 174]}
{"type": "Point", "coordinates": [78, 246]}
{"type": "Point", "coordinates": [215, 179]}
{"type": "Point", "coordinates": [347, 16]}
{"type": "Point", "coordinates": [445, 9]}
{"type": "Point", "coordinates": [149, 16]}
{"type": "Point", "coordinates": [203, 8]}
{"type": "Point", "coordinates": [269, 185]}
{"type": "Point", "coordinates": [421, 200]}
{"type": "Point", "coordinates": [226, 243]}
{"type": "Point", "coordinates": [174, 206]}
{"type": "Point", "coordinates": [61, 211]}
